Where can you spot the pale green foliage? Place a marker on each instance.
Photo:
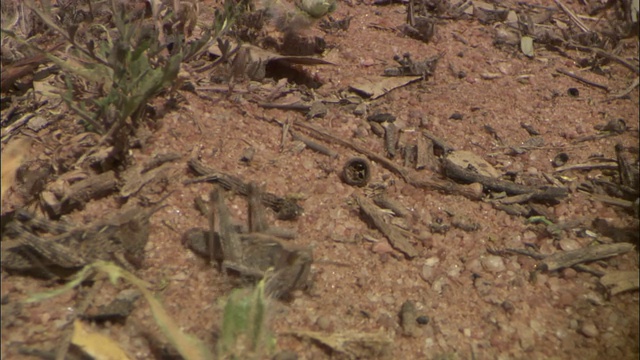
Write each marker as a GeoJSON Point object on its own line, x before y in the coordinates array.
{"type": "Point", "coordinates": [244, 333]}
{"type": "Point", "coordinates": [317, 8]}
{"type": "Point", "coordinates": [112, 73]}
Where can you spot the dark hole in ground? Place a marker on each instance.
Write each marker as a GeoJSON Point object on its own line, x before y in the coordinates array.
{"type": "Point", "coordinates": [279, 69]}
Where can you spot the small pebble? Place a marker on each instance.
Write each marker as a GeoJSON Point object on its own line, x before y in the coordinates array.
{"type": "Point", "coordinates": [382, 247]}
{"type": "Point", "coordinates": [508, 307]}
{"type": "Point", "coordinates": [323, 323]}
{"type": "Point", "coordinates": [569, 244]}
{"type": "Point", "coordinates": [493, 264]}
{"type": "Point", "coordinates": [569, 273]}
{"type": "Point", "coordinates": [589, 329]}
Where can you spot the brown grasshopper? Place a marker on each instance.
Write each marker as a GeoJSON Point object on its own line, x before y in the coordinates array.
{"type": "Point", "coordinates": [254, 254]}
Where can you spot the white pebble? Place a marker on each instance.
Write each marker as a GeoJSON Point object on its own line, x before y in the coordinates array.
{"type": "Point", "coordinates": [589, 329]}
{"type": "Point", "coordinates": [493, 263]}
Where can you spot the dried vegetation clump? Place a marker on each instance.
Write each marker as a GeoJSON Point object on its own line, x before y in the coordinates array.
{"type": "Point", "coordinates": [472, 188]}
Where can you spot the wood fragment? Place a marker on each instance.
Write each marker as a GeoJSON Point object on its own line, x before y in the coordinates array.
{"type": "Point", "coordinates": [302, 107]}
{"type": "Point", "coordinates": [543, 193]}
{"type": "Point", "coordinates": [566, 259]}
{"type": "Point", "coordinates": [409, 151]}
{"type": "Point", "coordinates": [390, 139]}
{"type": "Point", "coordinates": [573, 16]}
{"type": "Point", "coordinates": [85, 190]}
{"type": "Point", "coordinates": [396, 238]}
{"type": "Point", "coordinates": [313, 145]}
{"type": "Point", "coordinates": [438, 142]}
{"type": "Point", "coordinates": [425, 159]}
{"type": "Point", "coordinates": [383, 201]}
{"type": "Point", "coordinates": [613, 201]}
{"type": "Point", "coordinates": [588, 166]}
{"type": "Point", "coordinates": [583, 80]}
{"type": "Point", "coordinates": [620, 281]}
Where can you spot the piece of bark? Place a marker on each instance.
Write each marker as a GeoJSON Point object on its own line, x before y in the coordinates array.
{"type": "Point", "coordinates": [438, 142]}
{"type": "Point", "coordinates": [91, 188]}
{"type": "Point", "coordinates": [425, 158]}
{"type": "Point", "coordinates": [540, 194]}
{"type": "Point", "coordinates": [390, 139]}
{"type": "Point", "coordinates": [396, 238]}
{"type": "Point", "coordinates": [383, 201]}
{"type": "Point", "coordinates": [566, 259]}
{"type": "Point", "coordinates": [620, 281]}
{"type": "Point", "coordinates": [313, 145]}
{"type": "Point", "coordinates": [409, 151]}
{"type": "Point", "coordinates": [471, 191]}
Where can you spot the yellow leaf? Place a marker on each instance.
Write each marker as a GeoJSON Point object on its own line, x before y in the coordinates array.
{"type": "Point", "coordinates": [96, 345]}
{"type": "Point", "coordinates": [12, 157]}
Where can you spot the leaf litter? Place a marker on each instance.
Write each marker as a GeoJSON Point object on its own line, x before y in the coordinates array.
{"type": "Point", "coordinates": [521, 184]}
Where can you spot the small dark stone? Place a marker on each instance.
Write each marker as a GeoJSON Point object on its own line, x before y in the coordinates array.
{"type": "Point", "coordinates": [456, 116]}
{"type": "Point", "coordinates": [573, 92]}
{"type": "Point", "coordinates": [508, 307]}
{"type": "Point", "coordinates": [422, 320]}
{"type": "Point", "coordinates": [381, 117]}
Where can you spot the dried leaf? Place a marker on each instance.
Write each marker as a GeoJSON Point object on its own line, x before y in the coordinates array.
{"type": "Point", "coordinates": [12, 157]}
{"type": "Point", "coordinates": [526, 45]}
{"type": "Point", "coordinates": [96, 345]}
{"type": "Point", "coordinates": [621, 281]}
{"type": "Point", "coordinates": [376, 86]}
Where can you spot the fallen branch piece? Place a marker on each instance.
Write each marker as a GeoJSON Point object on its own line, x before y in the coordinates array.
{"type": "Point", "coordinates": [582, 80]}
{"type": "Point", "coordinates": [566, 259]}
{"type": "Point", "coordinates": [543, 193]}
{"type": "Point", "coordinates": [396, 237]}
{"type": "Point", "coordinates": [313, 145]}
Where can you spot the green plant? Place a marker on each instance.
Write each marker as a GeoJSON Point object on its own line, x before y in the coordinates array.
{"type": "Point", "coordinates": [121, 60]}
{"type": "Point", "coordinates": [244, 334]}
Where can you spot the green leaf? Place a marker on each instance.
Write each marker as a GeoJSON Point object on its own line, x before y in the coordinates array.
{"type": "Point", "coordinates": [526, 45]}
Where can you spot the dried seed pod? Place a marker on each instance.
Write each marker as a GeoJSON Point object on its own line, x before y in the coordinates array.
{"type": "Point", "coordinates": [560, 160]}
{"type": "Point", "coordinates": [356, 172]}
{"type": "Point", "coordinates": [377, 129]}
